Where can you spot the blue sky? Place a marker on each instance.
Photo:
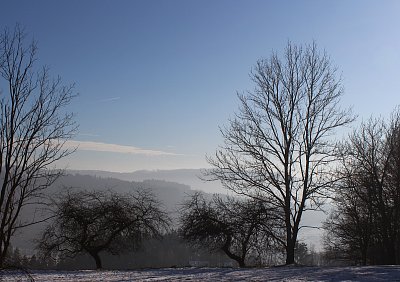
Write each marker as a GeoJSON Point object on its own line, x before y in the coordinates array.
{"type": "Point", "coordinates": [157, 78]}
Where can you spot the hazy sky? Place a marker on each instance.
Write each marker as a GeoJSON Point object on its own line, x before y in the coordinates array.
{"type": "Point", "coordinates": [157, 78]}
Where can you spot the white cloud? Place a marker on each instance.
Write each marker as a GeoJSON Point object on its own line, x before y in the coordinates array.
{"type": "Point", "coordinates": [113, 148]}
{"type": "Point", "coordinates": [112, 99]}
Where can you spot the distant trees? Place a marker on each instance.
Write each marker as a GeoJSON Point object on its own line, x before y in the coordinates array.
{"type": "Point", "coordinates": [306, 255]}
{"type": "Point", "coordinates": [365, 223]}
{"type": "Point", "coordinates": [18, 261]}
{"type": "Point", "coordinates": [34, 126]}
{"type": "Point", "coordinates": [236, 226]}
{"type": "Point", "coordinates": [279, 144]}
{"type": "Point", "coordinates": [95, 222]}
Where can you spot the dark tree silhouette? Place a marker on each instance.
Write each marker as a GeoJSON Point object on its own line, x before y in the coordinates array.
{"type": "Point", "coordinates": [365, 221]}
{"type": "Point", "coordinates": [279, 144]}
{"type": "Point", "coordinates": [231, 225]}
{"type": "Point", "coordinates": [93, 222]}
{"type": "Point", "coordinates": [33, 129]}
{"type": "Point", "coordinates": [348, 229]}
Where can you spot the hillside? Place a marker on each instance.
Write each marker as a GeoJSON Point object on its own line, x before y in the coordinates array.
{"type": "Point", "coordinates": [170, 194]}
{"type": "Point", "coordinates": [190, 177]}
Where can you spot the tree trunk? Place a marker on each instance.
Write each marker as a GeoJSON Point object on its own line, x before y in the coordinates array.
{"type": "Point", "coordinates": [225, 248]}
{"type": "Point", "coordinates": [290, 234]}
{"type": "Point", "coordinates": [290, 252]}
{"type": "Point", "coordinates": [96, 257]}
{"type": "Point", "coordinates": [238, 259]}
{"type": "Point", "coordinates": [390, 253]}
{"type": "Point", "coordinates": [2, 259]}
{"type": "Point", "coordinates": [4, 253]}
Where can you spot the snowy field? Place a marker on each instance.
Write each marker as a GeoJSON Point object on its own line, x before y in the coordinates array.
{"type": "Point", "coordinates": [371, 273]}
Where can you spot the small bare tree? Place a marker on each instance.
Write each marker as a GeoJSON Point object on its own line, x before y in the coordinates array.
{"type": "Point", "coordinates": [280, 143]}
{"type": "Point", "coordinates": [235, 226]}
{"type": "Point", "coordinates": [95, 222]}
{"type": "Point", "coordinates": [33, 129]}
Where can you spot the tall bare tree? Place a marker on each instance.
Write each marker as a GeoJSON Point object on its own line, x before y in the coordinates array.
{"type": "Point", "coordinates": [33, 129]}
{"type": "Point", "coordinates": [280, 142]}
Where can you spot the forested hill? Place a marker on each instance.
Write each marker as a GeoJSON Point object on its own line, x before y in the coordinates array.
{"type": "Point", "coordinates": [170, 194]}
{"type": "Point", "coordinates": [191, 177]}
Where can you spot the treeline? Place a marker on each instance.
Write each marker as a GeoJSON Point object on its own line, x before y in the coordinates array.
{"type": "Point", "coordinates": [364, 227]}
{"type": "Point", "coordinates": [170, 251]}
{"type": "Point", "coordinates": [15, 259]}
{"type": "Point", "coordinates": [167, 251]}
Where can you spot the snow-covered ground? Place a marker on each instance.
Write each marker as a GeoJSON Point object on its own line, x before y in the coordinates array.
{"type": "Point", "coordinates": [369, 273]}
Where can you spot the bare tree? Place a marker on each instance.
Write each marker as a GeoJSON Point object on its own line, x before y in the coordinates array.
{"type": "Point", "coordinates": [280, 142]}
{"type": "Point", "coordinates": [33, 129]}
{"type": "Point", "coordinates": [367, 203]}
{"type": "Point", "coordinates": [95, 222]}
{"type": "Point", "coordinates": [235, 226]}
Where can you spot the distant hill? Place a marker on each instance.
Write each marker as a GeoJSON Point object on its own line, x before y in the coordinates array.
{"type": "Point", "coordinates": [170, 194]}
{"type": "Point", "coordinates": [189, 177]}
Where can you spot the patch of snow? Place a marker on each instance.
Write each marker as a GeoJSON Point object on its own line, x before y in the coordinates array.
{"type": "Point", "coordinates": [286, 273]}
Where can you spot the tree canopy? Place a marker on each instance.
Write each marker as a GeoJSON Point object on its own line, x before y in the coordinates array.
{"type": "Point", "coordinates": [238, 227]}
{"type": "Point", "coordinates": [95, 222]}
